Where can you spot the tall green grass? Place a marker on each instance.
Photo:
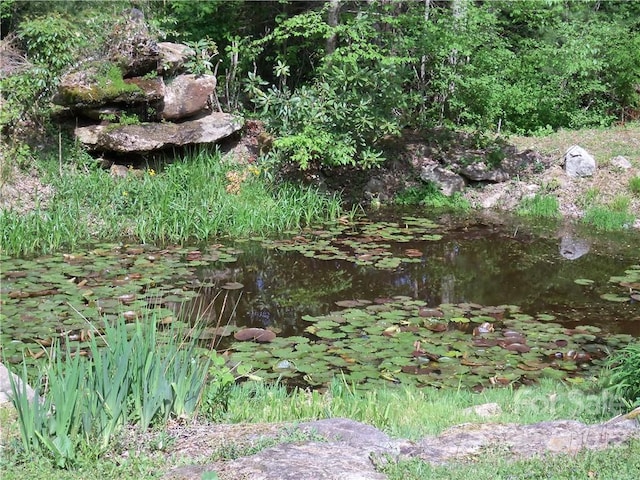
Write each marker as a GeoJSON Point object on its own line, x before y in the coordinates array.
{"type": "Point", "coordinates": [412, 412]}
{"type": "Point", "coordinates": [610, 217]}
{"type": "Point", "coordinates": [191, 200]}
{"type": "Point", "coordinates": [622, 376]}
{"type": "Point", "coordinates": [128, 374]}
{"type": "Point", "coordinates": [540, 206]}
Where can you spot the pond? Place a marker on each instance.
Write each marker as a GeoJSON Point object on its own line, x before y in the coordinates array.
{"type": "Point", "coordinates": [443, 301]}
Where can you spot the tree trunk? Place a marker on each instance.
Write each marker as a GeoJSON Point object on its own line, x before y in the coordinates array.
{"type": "Point", "coordinates": [333, 15]}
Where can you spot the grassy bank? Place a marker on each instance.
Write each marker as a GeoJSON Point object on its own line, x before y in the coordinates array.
{"type": "Point", "coordinates": [192, 200]}
{"type": "Point", "coordinates": [401, 412]}
{"type": "Point", "coordinates": [113, 407]}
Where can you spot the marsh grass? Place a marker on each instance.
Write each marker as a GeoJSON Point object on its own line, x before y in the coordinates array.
{"type": "Point", "coordinates": [615, 215]}
{"type": "Point", "coordinates": [541, 206]}
{"type": "Point", "coordinates": [191, 200]}
{"type": "Point", "coordinates": [622, 376]}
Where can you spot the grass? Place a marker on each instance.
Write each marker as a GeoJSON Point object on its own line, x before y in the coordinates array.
{"type": "Point", "coordinates": [614, 216]}
{"type": "Point", "coordinates": [634, 185]}
{"type": "Point", "coordinates": [128, 374]}
{"type": "Point", "coordinates": [540, 206]}
{"type": "Point", "coordinates": [429, 195]}
{"type": "Point", "coordinates": [193, 200]}
{"type": "Point", "coordinates": [602, 143]}
{"type": "Point", "coordinates": [623, 374]}
{"type": "Point", "coordinates": [424, 411]}
{"type": "Point", "coordinates": [620, 463]}
{"type": "Point", "coordinates": [401, 412]}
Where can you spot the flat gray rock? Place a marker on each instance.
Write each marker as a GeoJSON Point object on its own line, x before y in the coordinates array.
{"type": "Point", "coordinates": [149, 137]}
{"type": "Point", "coordinates": [5, 385]}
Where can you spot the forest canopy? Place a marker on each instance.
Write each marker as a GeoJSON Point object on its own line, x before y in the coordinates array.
{"type": "Point", "coordinates": [332, 79]}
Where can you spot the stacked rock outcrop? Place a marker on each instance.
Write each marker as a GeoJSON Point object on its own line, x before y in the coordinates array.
{"type": "Point", "coordinates": [138, 96]}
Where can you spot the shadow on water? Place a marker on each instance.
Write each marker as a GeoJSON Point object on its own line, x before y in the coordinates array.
{"type": "Point", "coordinates": [481, 262]}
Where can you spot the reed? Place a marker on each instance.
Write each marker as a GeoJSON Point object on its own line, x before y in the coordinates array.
{"type": "Point", "coordinates": [192, 200]}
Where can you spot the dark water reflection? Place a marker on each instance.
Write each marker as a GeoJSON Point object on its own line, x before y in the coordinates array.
{"type": "Point", "coordinates": [476, 261]}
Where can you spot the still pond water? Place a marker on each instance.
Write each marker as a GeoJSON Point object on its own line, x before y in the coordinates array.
{"type": "Point", "coordinates": [441, 301]}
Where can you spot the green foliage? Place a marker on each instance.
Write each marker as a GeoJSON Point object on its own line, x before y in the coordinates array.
{"type": "Point", "coordinates": [622, 376]}
{"type": "Point", "coordinates": [610, 217]}
{"type": "Point", "coordinates": [634, 185]}
{"type": "Point", "coordinates": [174, 205]}
{"type": "Point", "coordinates": [429, 195]}
{"type": "Point", "coordinates": [200, 63]}
{"type": "Point", "coordinates": [540, 205]}
{"type": "Point", "coordinates": [143, 376]}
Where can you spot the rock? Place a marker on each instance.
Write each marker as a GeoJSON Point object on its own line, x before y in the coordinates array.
{"type": "Point", "coordinates": [485, 410]}
{"type": "Point", "coordinates": [447, 181]}
{"type": "Point", "coordinates": [479, 172]}
{"type": "Point", "coordinates": [149, 137]}
{"type": "Point", "coordinates": [578, 162]}
{"type": "Point", "coordinates": [172, 57]}
{"type": "Point", "coordinates": [99, 85]}
{"type": "Point", "coordinates": [621, 163]}
{"type": "Point", "coordinates": [187, 95]}
{"type": "Point", "coordinates": [6, 393]}
{"type": "Point", "coordinates": [351, 452]}
{"type": "Point", "coordinates": [131, 47]}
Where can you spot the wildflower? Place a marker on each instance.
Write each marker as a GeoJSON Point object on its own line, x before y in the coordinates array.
{"type": "Point", "coordinates": [152, 172]}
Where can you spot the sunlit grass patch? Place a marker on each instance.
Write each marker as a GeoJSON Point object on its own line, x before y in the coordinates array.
{"type": "Point", "coordinates": [542, 206]}
{"type": "Point", "coordinates": [613, 216]}
{"type": "Point", "coordinates": [192, 200]}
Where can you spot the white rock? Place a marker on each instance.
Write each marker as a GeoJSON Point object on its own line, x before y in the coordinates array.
{"type": "Point", "coordinates": [578, 162]}
{"type": "Point", "coordinates": [621, 162]}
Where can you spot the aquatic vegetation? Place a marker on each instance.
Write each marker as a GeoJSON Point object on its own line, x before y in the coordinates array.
{"type": "Point", "coordinates": [146, 375]}
{"type": "Point", "coordinates": [363, 243]}
{"type": "Point", "coordinates": [612, 216]}
{"type": "Point", "coordinates": [403, 341]}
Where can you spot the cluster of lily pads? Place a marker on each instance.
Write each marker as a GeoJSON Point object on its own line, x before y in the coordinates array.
{"type": "Point", "coordinates": [364, 243]}
{"type": "Point", "coordinates": [398, 340]}
{"type": "Point", "coordinates": [402, 340]}
{"type": "Point", "coordinates": [68, 295]}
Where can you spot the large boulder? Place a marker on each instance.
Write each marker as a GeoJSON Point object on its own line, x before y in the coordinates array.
{"type": "Point", "coordinates": [101, 84]}
{"type": "Point", "coordinates": [149, 137]}
{"type": "Point", "coordinates": [187, 95]}
{"type": "Point", "coordinates": [578, 162]}
{"type": "Point", "coordinates": [480, 172]}
{"type": "Point", "coordinates": [447, 181]}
